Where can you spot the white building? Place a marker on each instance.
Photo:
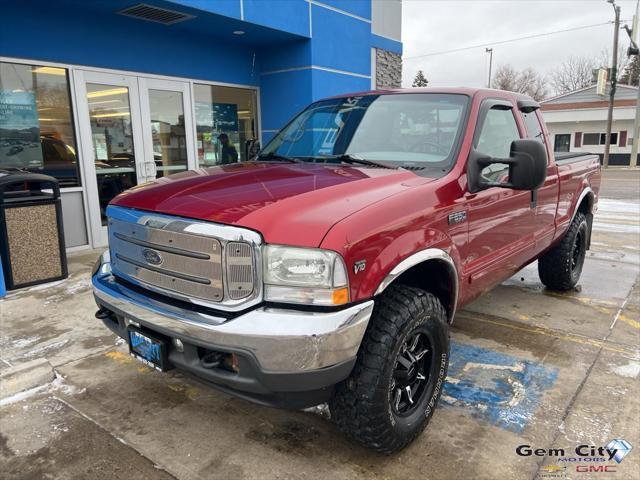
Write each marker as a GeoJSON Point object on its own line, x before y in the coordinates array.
{"type": "Point", "coordinates": [577, 122]}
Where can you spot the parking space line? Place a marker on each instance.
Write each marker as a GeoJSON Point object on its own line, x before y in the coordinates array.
{"type": "Point", "coordinates": [559, 335]}
{"type": "Point", "coordinates": [629, 321]}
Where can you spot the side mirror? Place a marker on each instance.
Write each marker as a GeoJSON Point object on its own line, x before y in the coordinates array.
{"type": "Point", "coordinates": [527, 164]}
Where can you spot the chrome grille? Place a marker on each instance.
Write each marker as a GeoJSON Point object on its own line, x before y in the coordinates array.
{"type": "Point", "coordinates": [239, 270]}
{"type": "Point", "coordinates": [168, 259]}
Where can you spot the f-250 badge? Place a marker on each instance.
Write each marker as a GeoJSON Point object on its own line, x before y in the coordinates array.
{"type": "Point", "coordinates": [359, 266]}
{"type": "Point", "coordinates": [457, 217]}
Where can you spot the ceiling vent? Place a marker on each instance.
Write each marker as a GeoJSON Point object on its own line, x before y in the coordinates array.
{"type": "Point", "coordinates": [155, 14]}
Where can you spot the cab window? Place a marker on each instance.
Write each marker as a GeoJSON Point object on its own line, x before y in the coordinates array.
{"type": "Point", "coordinates": [498, 131]}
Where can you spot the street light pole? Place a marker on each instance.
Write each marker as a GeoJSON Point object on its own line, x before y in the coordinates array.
{"type": "Point", "coordinates": [614, 79]}
{"type": "Point", "coordinates": [633, 50]}
{"type": "Point", "coordinates": [490, 52]}
{"type": "Point", "coordinates": [636, 131]}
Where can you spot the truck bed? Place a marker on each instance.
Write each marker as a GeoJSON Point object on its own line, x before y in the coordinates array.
{"type": "Point", "coordinates": [563, 158]}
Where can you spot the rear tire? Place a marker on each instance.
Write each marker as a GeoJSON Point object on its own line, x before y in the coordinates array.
{"type": "Point", "coordinates": [560, 268]}
{"type": "Point", "coordinates": [399, 373]}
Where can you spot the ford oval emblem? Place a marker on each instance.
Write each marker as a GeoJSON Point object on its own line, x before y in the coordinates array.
{"type": "Point", "coordinates": [151, 256]}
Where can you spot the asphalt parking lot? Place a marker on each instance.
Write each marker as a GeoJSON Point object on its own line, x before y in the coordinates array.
{"type": "Point", "coordinates": [529, 367]}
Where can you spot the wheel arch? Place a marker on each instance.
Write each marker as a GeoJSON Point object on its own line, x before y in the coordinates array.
{"type": "Point", "coordinates": [585, 204]}
{"type": "Point", "coordinates": [432, 270]}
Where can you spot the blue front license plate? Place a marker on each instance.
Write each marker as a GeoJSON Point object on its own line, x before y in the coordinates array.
{"type": "Point", "coordinates": [149, 350]}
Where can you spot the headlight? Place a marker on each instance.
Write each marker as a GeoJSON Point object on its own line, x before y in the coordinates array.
{"type": "Point", "coordinates": [304, 275]}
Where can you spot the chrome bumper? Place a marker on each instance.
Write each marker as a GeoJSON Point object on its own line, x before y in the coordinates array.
{"type": "Point", "coordinates": [280, 340]}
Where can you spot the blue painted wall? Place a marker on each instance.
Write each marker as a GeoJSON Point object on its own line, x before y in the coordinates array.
{"type": "Point", "coordinates": [288, 15]}
{"type": "Point", "coordinates": [361, 8]}
{"type": "Point", "coordinates": [278, 37]}
{"type": "Point", "coordinates": [229, 8]}
{"type": "Point", "coordinates": [52, 33]}
{"type": "Point", "coordinates": [340, 41]}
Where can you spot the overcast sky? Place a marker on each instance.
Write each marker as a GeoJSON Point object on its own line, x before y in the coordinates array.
{"type": "Point", "coordinates": [431, 26]}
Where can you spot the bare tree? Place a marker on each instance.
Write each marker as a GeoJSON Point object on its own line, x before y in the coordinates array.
{"type": "Point", "coordinates": [505, 78]}
{"type": "Point", "coordinates": [604, 60]}
{"type": "Point", "coordinates": [577, 72]}
{"type": "Point", "coordinates": [573, 74]}
{"type": "Point", "coordinates": [527, 81]}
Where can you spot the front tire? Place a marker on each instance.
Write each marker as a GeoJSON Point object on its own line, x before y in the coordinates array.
{"type": "Point", "coordinates": [560, 268]}
{"type": "Point", "coordinates": [395, 385]}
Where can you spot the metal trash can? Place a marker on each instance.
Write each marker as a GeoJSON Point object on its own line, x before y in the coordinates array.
{"type": "Point", "coordinates": [31, 236]}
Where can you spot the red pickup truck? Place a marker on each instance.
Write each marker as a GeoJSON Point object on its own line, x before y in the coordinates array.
{"type": "Point", "coordinates": [329, 268]}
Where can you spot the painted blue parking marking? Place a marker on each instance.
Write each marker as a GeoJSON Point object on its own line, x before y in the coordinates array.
{"type": "Point", "coordinates": [499, 388]}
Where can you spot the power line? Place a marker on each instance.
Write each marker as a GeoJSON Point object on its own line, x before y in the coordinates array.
{"type": "Point", "coordinates": [517, 39]}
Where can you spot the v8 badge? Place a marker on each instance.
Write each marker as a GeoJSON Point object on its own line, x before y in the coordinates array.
{"type": "Point", "coordinates": [359, 266]}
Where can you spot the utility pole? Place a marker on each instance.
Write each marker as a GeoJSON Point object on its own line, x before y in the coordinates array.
{"type": "Point", "coordinates": [633, 50]}
{"type": "Point", "coordinates": [636, 131]}
{"type": "Point", "coordinates": [490, 52]}
{"type": "Point", "coordinates": [614, 80]}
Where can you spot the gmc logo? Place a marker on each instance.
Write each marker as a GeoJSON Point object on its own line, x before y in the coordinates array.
{"type": "Point", "coordinates": [596, 468]}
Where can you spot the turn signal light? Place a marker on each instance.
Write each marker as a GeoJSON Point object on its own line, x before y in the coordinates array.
{"type": "Point", "coordinates": [340, 296]}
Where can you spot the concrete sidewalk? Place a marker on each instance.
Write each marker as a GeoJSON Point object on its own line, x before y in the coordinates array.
{"type": "Point", "coordinates": [528, 367]}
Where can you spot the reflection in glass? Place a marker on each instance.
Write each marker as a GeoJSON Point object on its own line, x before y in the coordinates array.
{"type": "Point", "coordinates": [112, 139]}
{"type": "Point", "coordinates": [36, 126]}
{"type": "Point", "coordinates": [225, 122]}
{"type": "Point", "coordinates": [168, 131]}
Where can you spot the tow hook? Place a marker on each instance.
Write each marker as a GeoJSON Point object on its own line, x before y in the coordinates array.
{"type": "Point", "coordinates": [224, 361]}
{"type": "Point", "coordinates": [212, 359]}
{"type": "Point", "coordinates": [104, 314]}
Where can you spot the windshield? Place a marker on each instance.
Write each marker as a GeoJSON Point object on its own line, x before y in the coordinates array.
{"type": "Point", "coordinates": [405, 130]}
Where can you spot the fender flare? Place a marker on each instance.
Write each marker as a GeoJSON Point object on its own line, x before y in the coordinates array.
{"type": "Point", "coordinates": [429, 254]}
{"type": "Point", "coordinates": [585, 192]}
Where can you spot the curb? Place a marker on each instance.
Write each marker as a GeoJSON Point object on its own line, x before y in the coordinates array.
{"type": "Point", "coordinates": [25, 376]}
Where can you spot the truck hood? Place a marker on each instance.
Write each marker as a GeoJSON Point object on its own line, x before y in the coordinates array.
{"type": "Point", "coordinates": [287, 203]}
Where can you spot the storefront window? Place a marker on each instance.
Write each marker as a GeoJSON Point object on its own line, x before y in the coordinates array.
{"type": "Point", "coordinates": [36, 124]}
{"type": "Point", "coordinates": [225, 122]}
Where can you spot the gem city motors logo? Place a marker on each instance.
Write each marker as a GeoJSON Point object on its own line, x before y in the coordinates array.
{"type": "Point", "coordinates": [588, 458]}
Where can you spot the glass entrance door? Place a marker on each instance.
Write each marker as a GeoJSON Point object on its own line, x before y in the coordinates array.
{"type": "Point", "coordinates": [169, 142]}
{"type": "Point", "coordinates": [132, 130]}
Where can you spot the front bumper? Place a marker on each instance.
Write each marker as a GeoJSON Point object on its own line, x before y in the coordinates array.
{"type": "Point", "coordinates": [281, 351]}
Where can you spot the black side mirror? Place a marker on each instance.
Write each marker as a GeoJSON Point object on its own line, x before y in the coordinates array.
{"type": "Point", "coordinates": [527, 167]}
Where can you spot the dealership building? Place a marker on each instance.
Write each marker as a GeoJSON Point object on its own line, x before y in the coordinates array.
{"type": "Point", "coordinates": [107, 95]}
{"type": "Point", "coordinates": [577, 122]}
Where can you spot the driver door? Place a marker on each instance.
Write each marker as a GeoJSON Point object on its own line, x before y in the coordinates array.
{"type": "Point", "coordinates": [501, 221]}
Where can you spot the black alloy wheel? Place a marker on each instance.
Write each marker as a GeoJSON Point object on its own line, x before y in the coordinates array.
{"type": "Point", "coordinates": [411, 374]}
{"type": "Point", "coordinates": [578, 252]}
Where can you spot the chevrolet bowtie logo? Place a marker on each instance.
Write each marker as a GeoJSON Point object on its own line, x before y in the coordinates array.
{"type": "Point", "coordinates": [552, 468]}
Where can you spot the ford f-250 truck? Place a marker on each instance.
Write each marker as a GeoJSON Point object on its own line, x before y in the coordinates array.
{"type": "Point", "coordinates": [329, 268]}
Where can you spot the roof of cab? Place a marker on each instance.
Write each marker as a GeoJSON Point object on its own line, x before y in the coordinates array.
{"type": "Point", "coordinates": [450, 90]}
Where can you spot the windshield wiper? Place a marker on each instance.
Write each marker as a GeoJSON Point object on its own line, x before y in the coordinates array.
{"type": "Point", "coordinates": [354, 159]}
{"type": "Point", "coordinates": [275, 156]}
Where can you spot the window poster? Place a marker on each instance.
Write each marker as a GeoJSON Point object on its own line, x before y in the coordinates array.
{"type": "Point", "coordinates": [100, 146]}
{"type": "Point", "coordinates": [19, 130]}
{"type": "Point", "coordinates": [225, 117]}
